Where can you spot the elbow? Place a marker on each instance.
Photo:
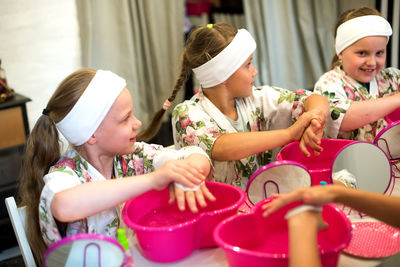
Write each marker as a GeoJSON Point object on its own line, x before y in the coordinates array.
{"type": "Point", "coordinates": [60, 209]}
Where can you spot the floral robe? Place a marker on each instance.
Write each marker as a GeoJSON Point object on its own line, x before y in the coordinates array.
{"type": "Point", "coordinates": [72, 170]}
{"type": "Point", "coordinates": [199, 122]}
{"type": "Point", "coordinates": [342, 90]}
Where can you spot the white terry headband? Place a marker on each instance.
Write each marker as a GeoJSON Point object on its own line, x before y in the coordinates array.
{"type": "Point", "coordinates": [355, 29]}
{"type": "Point", "coordinates": [223, 65]}
{"type": "Point", "coordinates": [91, 108]}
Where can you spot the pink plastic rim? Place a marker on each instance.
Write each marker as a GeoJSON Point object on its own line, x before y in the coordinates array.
{"type": "Point", "coordinates": [76, 237]}
{"type": "Point", "coordinates": [268, 256]}
{"type": "Point", "coordinates": [379, 135]}
{"type": "Point", "coordinates": [189, 222]}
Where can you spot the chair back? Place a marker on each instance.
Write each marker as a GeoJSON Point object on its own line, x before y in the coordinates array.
{"type": "Point", "coordinates": [17, 217]}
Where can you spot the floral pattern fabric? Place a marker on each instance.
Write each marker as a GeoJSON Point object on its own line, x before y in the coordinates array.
{"type": "Point", "coordinates": [199, 122]}
{"type": "Point", "coordinates": [72, 170]}
{"type": "Point", "coordinates": [342, 90]}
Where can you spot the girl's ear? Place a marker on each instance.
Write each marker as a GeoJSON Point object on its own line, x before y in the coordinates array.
{"type": "Point", "coordinates": [340, 56]}
{"type": "Point", "coordinates": [92, 140]}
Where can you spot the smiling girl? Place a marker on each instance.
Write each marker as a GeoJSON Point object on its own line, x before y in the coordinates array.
{"type": "Point", "coordinates": [360, 89]}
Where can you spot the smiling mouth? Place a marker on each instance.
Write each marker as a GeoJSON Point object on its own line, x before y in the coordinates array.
{"type": "Point", "coordinates": [368, 70]}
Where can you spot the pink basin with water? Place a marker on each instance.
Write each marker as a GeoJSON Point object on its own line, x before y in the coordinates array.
{"type": "Point", "coordinates": [319, 167]}
{"type": "Point", "coordinates": [252, 240]}
{"type": "Point", "coordinates": [166, 234]}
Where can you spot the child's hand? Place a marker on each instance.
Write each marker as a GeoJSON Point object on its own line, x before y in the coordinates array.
{"type": "Point", "coordinates": [297, 129]}
{"type": "Point", "coordinates": [314, 195]}
{"type": "Point", "coordinates": [177, 171]}
{"type": "Point", "coordinates": [313, 134]}
{"type": "Point", "coordinates": [191, 197]}
{"type": "Point", "coordinates": [312, 138]}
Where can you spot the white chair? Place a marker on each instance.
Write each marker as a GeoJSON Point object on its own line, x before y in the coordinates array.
{"type": "Point", "coordinates": [17, 217]}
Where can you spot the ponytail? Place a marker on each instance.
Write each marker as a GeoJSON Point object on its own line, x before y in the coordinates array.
{"type": "Point", "coordinates": [42, 151]}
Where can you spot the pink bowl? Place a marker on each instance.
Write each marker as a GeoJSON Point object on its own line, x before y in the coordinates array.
{"type": "Point", "coordinates": [252, 240]}
{"type": "Point", "coordinates": [318, 166]}
{"type": "Point", "coordinates": [394, 116]}
{"type": "Point", "coordinates": [166, 234]}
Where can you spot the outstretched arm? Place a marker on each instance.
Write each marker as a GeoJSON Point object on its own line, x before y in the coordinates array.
{"type": "Point", "coordinates": [376, 205]}
{"type": "Point", "coordinates": [235, 146]}
{"type": "Point", "coordinates": [87, 199]}
{"type": "Point", "coordinates": [363, 112]}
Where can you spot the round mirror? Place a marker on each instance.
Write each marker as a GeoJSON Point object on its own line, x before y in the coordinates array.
{"type": "Point", "coordinates": [365, 162]}
{"type": "Point", "coordinates": [277, 177]}
{"type": "Point", "coordinates": [388, 139]}
{"type": "Point", "coordinates": [84, 250]}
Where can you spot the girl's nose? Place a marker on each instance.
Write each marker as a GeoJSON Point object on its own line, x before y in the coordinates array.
{"type": "Point", "coordinates": [371, 61]}
{"type": "Point", "coordinates": [136, 123]}
{"type": "Point", "coordinates": [255, 71]}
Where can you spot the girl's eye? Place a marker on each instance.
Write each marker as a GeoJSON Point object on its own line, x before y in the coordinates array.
{"type": "Point", "coordinates": [361, 53]}
{"type": "Point", "coordinates": [380, 53]}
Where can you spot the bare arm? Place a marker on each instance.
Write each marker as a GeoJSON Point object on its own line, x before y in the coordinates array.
{"type": "Point", "coordinates": [235, 146]}
{"type": "Point", "coordinates": [377, 205]}
{"type": "Point", "coordinates": [91, 198]}
{"type": "Point", "coordinates": [303, 248]}
{"type": "Point", "coordinates": [363, 112]}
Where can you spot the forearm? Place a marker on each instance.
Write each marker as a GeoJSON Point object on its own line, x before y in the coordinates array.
{"type": "Point", "coordinates": [317, 103]}
{"type": "Point", "coordinates": [303, 246]}
{"type": "Point", "coordinates": [235, 146]}
{"type": "Point", "coordinates": [363, 112]}
{"type": "Point", "coordinates": [91, 198]}
{"type": "Point", "coordinates": [379, 206]}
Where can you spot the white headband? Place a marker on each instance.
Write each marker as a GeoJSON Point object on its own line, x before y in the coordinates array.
{"type": "Point", "coordinates": [91, 108]}
{"type": "Point", "coordinates": [355, 29]}
{"type": "Point", "coordinates": [223, 65]}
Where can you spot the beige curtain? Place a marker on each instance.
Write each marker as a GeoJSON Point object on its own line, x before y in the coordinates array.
{"type": "Point", "coordinates": [140, 40]}
{"type": "Point", "coordinates": [295, 42]}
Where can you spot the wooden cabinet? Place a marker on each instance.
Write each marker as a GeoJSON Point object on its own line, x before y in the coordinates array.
{"type": "Point", "coordinates": [14, 127]}
{"type": "Point", "coordinates": [14, 131]}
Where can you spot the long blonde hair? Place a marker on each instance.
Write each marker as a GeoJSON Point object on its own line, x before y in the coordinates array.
{"type": "Point", "coordinates": [348, 15]}
{"type": "Point", "coordinates": [43, 151]}
{"type": "Point", "coordinates": [202, 45]}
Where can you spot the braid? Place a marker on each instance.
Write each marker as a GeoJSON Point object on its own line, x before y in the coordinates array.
{"type": "Point", "coordinates": [155, 123]}
{"type": "Point", "coordinates": [202, 44]}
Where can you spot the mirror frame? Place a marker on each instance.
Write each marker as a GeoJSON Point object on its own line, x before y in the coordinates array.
{"type": "Point", "coordinates": [82, 236]}
{"type": "Point", "coordinates": [364, 142]}
{"type": "Point", "coordinates": [382, 132]}
{"type": "Point", "coordinates": [271, 166]}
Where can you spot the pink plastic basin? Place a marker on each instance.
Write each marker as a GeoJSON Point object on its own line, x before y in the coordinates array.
{"type": "Point", "coordinates": [252, 240]}
{"type": "Point", "coordinates": [166, 234]}
{"type": "Point", "coordinates": [318, 166]}
{"type": "Point", "coordinates": [394, 116]}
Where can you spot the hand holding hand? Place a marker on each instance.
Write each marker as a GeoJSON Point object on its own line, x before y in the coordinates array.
{"type": "Point", "coordinates": [297, 129]}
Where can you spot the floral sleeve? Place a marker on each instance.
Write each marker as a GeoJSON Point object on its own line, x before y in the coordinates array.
{"type": "Point", "coordinates": [330, 86]}
{"type": "Point", "coordinates": [193, 127]}
{"type": "Point", "coordinates": [139, 162]}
